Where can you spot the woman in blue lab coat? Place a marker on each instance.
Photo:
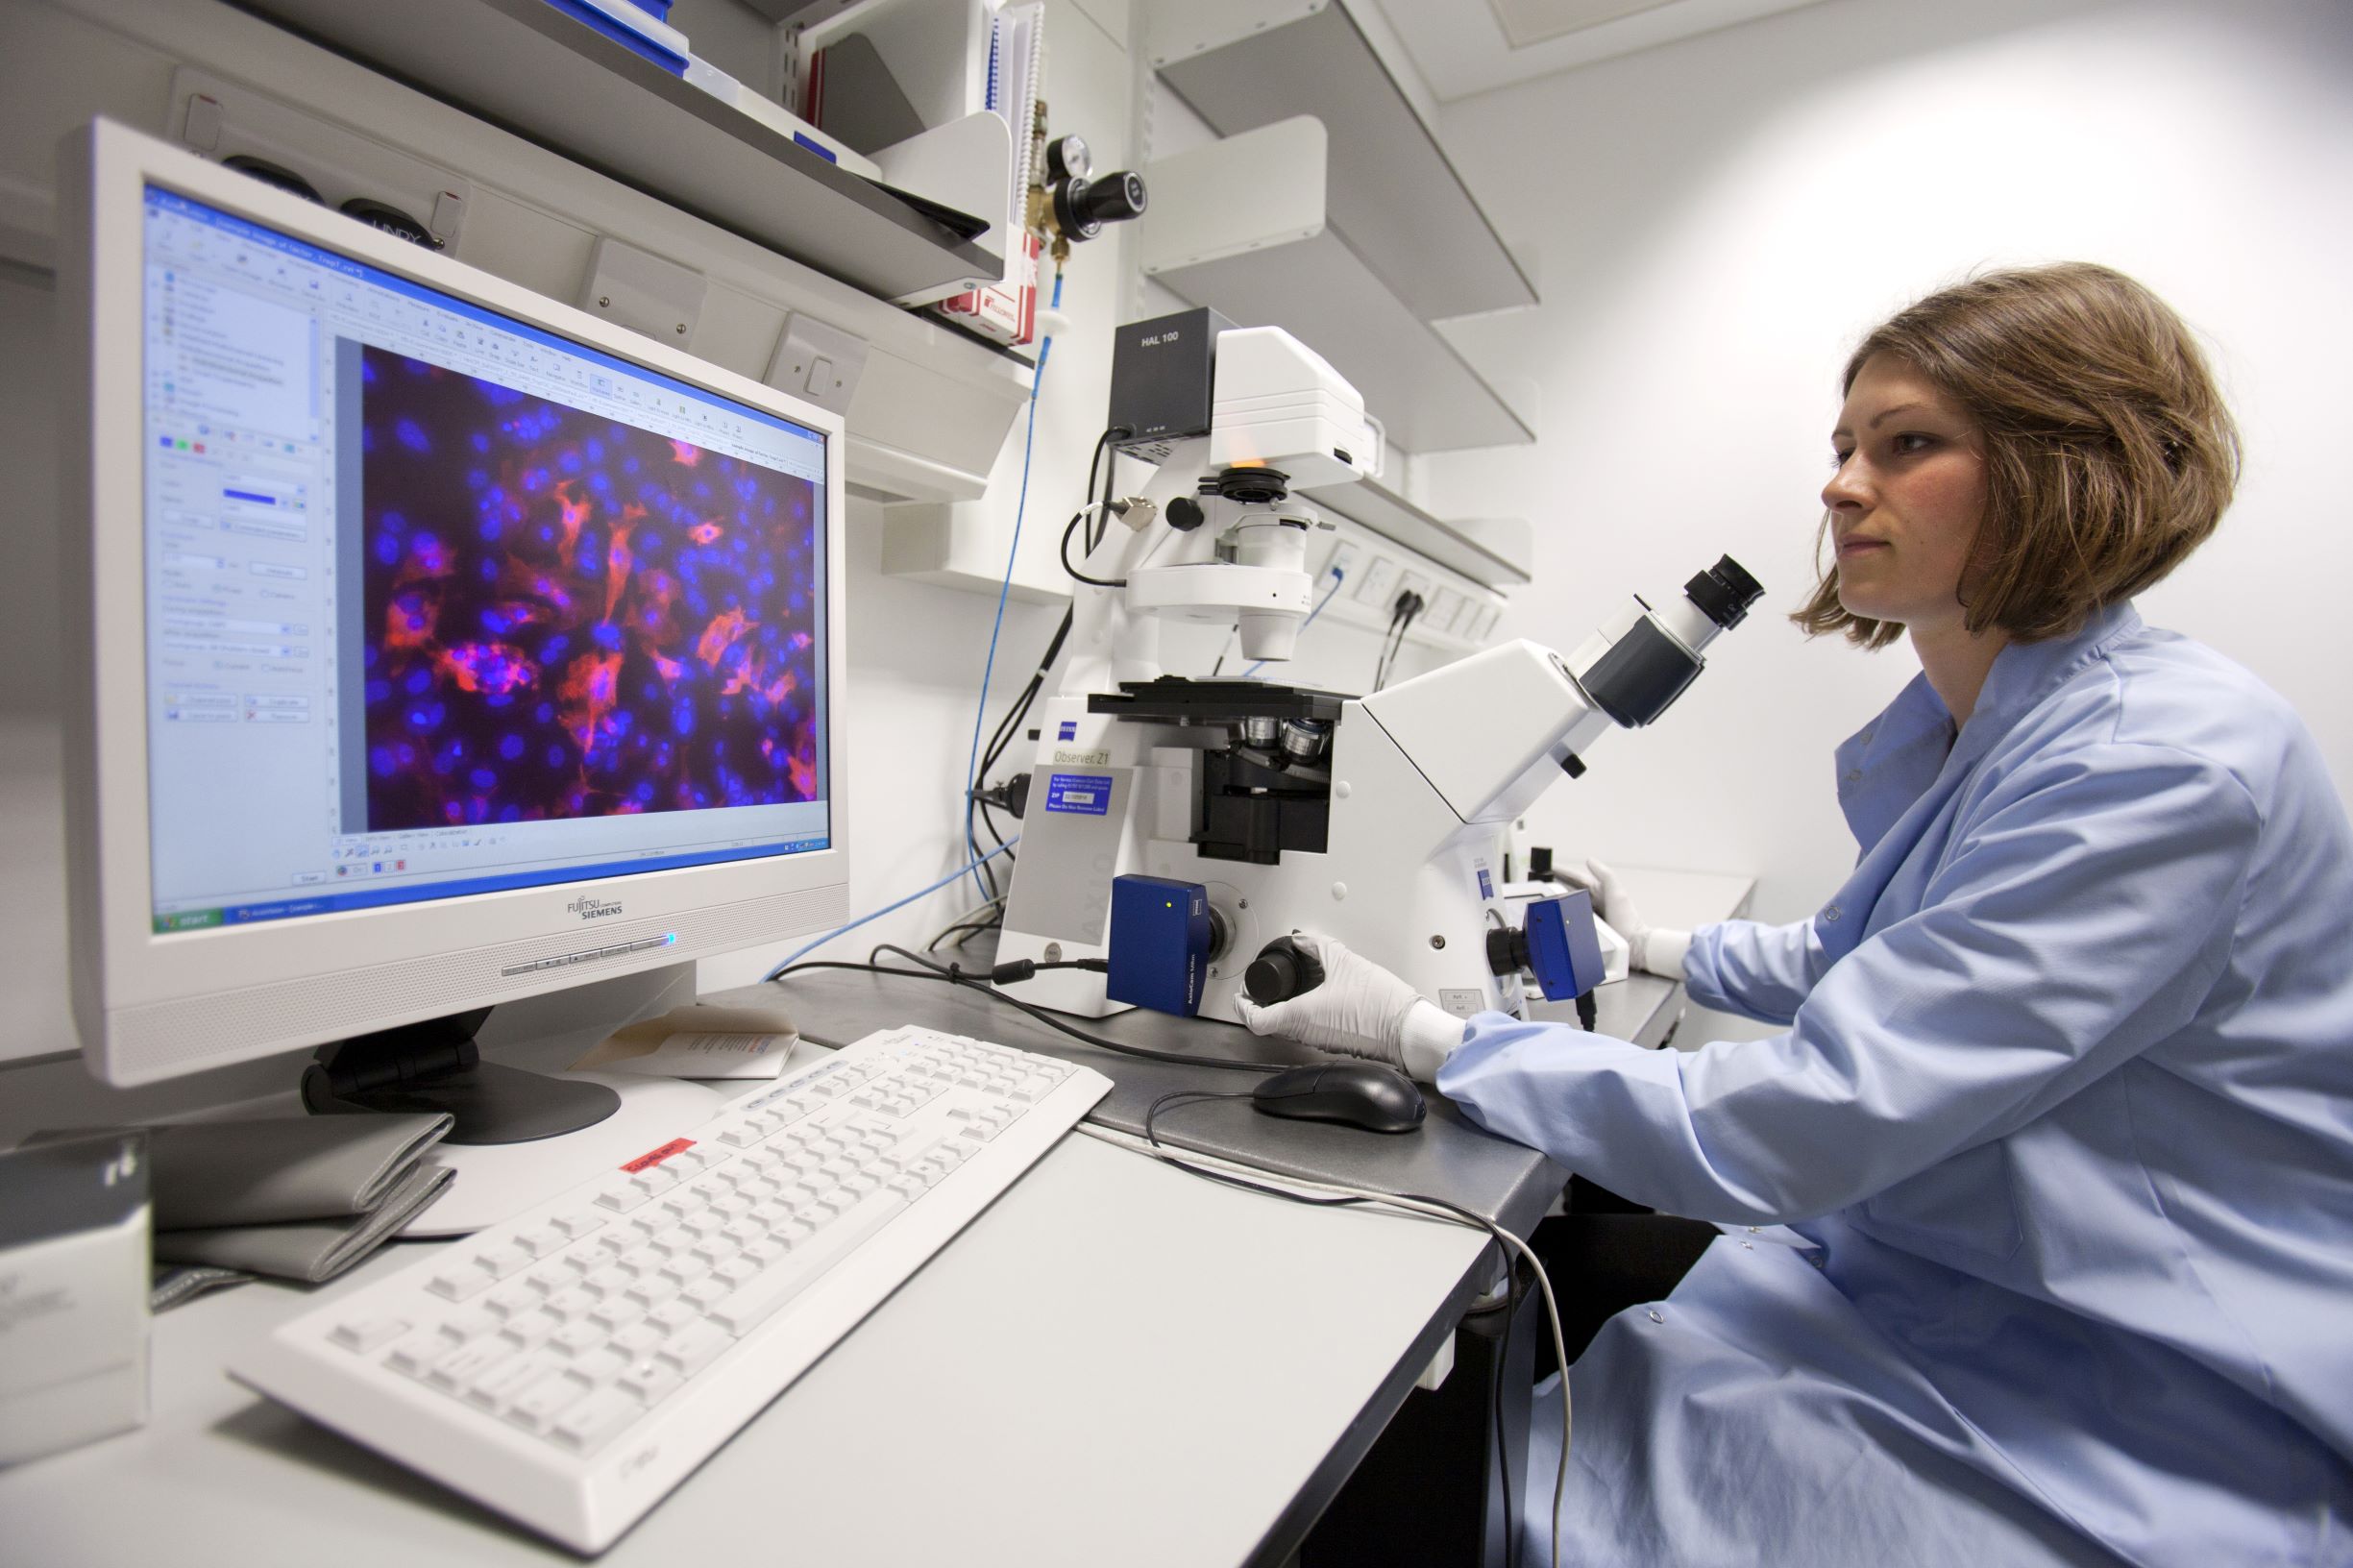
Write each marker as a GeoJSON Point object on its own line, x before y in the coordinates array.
{"type": "Point", "coordinates": [2050, 1170]}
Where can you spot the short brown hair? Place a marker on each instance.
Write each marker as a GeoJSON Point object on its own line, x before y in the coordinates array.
{"type": "Point", "coordinates": [2109, 454]}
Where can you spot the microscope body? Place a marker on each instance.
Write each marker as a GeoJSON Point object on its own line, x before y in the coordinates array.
{"type": "Point", "coordinates": [1379, 820]}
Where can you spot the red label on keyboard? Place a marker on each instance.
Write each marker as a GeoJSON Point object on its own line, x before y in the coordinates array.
{"type": "Point", "coordinates": [654, 1157]}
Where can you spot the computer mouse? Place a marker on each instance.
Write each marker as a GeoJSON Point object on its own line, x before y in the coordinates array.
{"type": "Point", "coordinates": [1360, 1094]}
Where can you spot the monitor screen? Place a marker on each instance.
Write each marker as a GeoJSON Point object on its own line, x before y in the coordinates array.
{"type": "Point", "coordinates": [439, 603]}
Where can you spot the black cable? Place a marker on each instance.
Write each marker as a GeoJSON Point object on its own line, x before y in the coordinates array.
{"type": "Point", "coordinates": [1380, 659]}
{"type": "Point", "coordinates": [1408, 606]}
{"type": "Point", "coordinates": [1512, 1294]}
{"type": "Point", "coordinates": [1111, 485]}
{"type": "Point", "coordinates": [954, 974]}
{"type": "Point", "coordinates": [1002, 737]}
{"type": "Point", "coordinates": [971, 929]}
{"type": "Point", "coordinates": [1093, 463]}
{"type": "Point", "coordinates": [1076, 576]}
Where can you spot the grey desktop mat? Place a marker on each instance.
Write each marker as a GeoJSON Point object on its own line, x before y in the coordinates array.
{"type": "Point", "coordinates": [210, 1174]}
{"type": "Point", "coordinates": [311, 1251]}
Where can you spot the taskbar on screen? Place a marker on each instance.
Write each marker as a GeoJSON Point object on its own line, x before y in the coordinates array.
{"type": "Point", "coordinates": [329, 903]}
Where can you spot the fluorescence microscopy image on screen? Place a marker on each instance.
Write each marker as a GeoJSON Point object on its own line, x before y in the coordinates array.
{"type": "Point", "coordinates": [569, 617]}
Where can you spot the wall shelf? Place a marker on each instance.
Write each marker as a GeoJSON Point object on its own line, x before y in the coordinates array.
{"type": "Point", "coordinates": [540, 73]}
{"type": "Point", "coordinates": [1403, 244]}
{"type": "Point", "coordinates": [1381, 510]}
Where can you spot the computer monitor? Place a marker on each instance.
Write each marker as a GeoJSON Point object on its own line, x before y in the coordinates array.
{"type": "Point", "coordinates": [439, 645]}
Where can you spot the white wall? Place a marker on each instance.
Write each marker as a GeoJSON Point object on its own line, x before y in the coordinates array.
{"type": "Point", "coordinates": [1719, 221]}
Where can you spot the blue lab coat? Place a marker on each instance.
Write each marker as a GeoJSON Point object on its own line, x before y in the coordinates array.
{"type": "Point", "coordinates": [2052, 1169]}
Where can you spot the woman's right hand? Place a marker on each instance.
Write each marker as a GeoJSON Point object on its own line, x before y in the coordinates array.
{"type": "Point", "coordinates": [1654, 949]}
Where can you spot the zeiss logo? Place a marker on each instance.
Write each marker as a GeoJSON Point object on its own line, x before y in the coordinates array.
{"type": "Point", "coordinates": [1067, 731]}
{"type": "Point", "coordinates": [594, 909]}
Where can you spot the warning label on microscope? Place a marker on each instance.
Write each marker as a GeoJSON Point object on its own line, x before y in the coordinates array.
{"type": "Point", "coordinates": [1089, 794]}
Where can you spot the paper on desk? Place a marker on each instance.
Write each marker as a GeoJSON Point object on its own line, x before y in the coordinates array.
{"type": "Point", "coordinates": [700, 1042]}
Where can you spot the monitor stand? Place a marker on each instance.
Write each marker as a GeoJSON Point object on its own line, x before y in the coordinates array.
{"type": "Point", "coordinates": [435, 1066]}
{"type": "Point", "coordinates": [522, 1135]}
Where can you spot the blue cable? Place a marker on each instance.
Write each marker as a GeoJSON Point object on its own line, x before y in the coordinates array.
{"type": "Point", "coordinates": [886, 909]}
{"type": "Point", "coordinates": [1020, 506]}
{"type": "Point", "coordinates": [1338, 576]}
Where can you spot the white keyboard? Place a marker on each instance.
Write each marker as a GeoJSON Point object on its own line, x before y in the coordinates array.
{"type": "Point", "coordinates": [569, 1367]}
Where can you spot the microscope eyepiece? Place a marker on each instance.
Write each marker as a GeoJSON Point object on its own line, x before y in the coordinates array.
{"type": "Point", "coordinates": [1723, 592]}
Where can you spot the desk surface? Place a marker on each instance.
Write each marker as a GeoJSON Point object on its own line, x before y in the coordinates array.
{"type": "Point", "coordinates": [1111, 1345]}
{"type": "Point", "coordinates": [1066, 1384]}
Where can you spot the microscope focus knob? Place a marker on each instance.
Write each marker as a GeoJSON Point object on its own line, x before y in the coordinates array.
{"type": "Point", "coordinates": [1282, 970]}
{"type": "Point", "coordinates": [1506, 950]}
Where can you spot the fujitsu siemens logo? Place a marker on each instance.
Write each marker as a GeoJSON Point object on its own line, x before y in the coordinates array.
{"type": "Point", "coordinates": [594, 909]}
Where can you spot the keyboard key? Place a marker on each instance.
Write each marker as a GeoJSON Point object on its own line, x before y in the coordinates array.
{"type": "Point", "coordinates": [693, 1348]}
{"type": "Point", "coordinates": [463, 1283]}
{"type": "Point", "coordinates": [652, 1290]}
{"type": "Point", "coordinates": [542, 1240]}
{"type": "Point", "coordinates": [453, 1372]}
{"type": "Point", "coordinates": [615, 1314]}
{"type": "Point", "coordinates": [640, 1339]}
{"type": "Point", "coordinates": [365, 1334]}
{"type": "Point", "coordinates": [572, 1306]}
{"type": "Point", "coordinates": [577, 1339]}
{"type": "Point", "coordinates": [672, 1315]}
{"type": "Point", "coordinates": [600, 1366]}
{"type": "Point", "coordinates": [577, 1225]}
{"type": "Point", "coordinates": [595, 1420]}
{"type": "Point", "coordinates": [651, 1380]}
{"type": "Point", "coordinates": [533, 1329]}
{"type": "Point", "coordinates": [536, 1408]}
{"type": "Point", "coordinates": [509, 1261]}
{"type": "Point", "coordinates": [497, 1388]}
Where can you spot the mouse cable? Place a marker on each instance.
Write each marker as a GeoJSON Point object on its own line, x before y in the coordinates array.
{"type": "Point", "coordinates": [983, 981]}
{"type": "Point", "coordinates": [1301, 1190]}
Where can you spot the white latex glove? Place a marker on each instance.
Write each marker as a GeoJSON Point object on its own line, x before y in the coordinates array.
{"type": "Point", "coordinates": [1359, 1009]}
{"type": "Point", "coordinates": [1654, 949]}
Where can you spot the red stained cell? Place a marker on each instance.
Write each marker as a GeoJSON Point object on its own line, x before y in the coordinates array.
{"type": "Point", "coordinates": [410, 621]}
{"type": "Point", "coordinates": [575, 507]}
{"type": "Point", "coordinates": [618, 562]}
{"type": "Point", "coordinates": [494, 668]}
{"type": "Point", "coordinates": [719, 636]}
{"type": "Point", "coordinates": [585, 699]}
{"type": "Point", "coordinates": [686, 452]}
{"type": "Point", "coordinates": [704, 533]}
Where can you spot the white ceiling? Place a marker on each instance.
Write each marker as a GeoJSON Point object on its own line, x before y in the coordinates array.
{"type": "Point", "coordinates": [1464, 47]}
